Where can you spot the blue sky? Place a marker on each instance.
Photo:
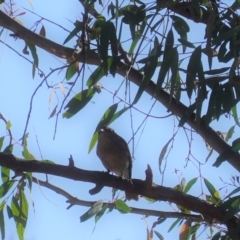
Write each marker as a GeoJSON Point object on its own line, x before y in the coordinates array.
{"type": "Point", "coordinates": [48, 217]}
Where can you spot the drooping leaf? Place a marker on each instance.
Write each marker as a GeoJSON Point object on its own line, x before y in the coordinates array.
{"type": "Point", "coordinates": [98, 74]}
{"type": "Point", "coordinates": [100, 213]}
{"type": "Point", "coordinates": [95, 208]}
{"type": "Point", "coordinates": [229, 133]}
{"type": "Point", "coordinates": [2, 222]}
{"type": "Point", "coordinates": [186, 43]}
{"type": "Point", "coordinates": [5, 172]}
{"type": "Point", "coordinates": [236, 190]}
{"type": "Point", "coordinates": [78, 27]}
{"type": "Point", "coordinates": [1, 142]}
{"type": "Point", "coordinates": [175, 78]}
{"type": "Point", "coordinates": [162, 154]}
{"type": "Point", "coordinates": [72, 70]}
{"type": "Point", "coordinates": [149, 69]}
{"type": "Point", "coordinates": [236, 145]}
{"type": "Point", "coordinates": [33, 51]}
{"type": "Point", "coordinates": [122, 206]}
{"type": "Point", "coordinates": [222, 157]}
{"type": "Point", "coordinates": [231, 206]}
{"type": "Point", "coordinates": [235, 115]}
{"type": "Point", "coordinates": [159, 235]}
{"type": "Point", "coordinates": [214, 193]}
{"type": "Point", "coordinates": [5, 187]}
{"type": "Point", "coordinates": [78, 102]}
{"type": "Point", "coordinates": [192, 70]}
{"type": "Point", "coordinates": [190, 184]}
{"type": "Point", "coordinates": [185, 230]}
{"type": "Point", "coordinates": [174, 224]}
{"type": "Point", "coordinates": [227, 34]}
{"type": "Point", "coordinates": [19, 210]}
{"type": "Point", "coordinates": [165, 67]}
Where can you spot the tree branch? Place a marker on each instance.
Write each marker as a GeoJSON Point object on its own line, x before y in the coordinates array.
{"type": "Point", "coordinates": [147, 212]}
{"type": "Point", "coordinates": [209, 211]}
{"type": "Point", "coordinates": [177, 108]}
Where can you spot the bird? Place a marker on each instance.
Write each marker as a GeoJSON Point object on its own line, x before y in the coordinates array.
{"type": "Point", "coordinates": [115, 156]}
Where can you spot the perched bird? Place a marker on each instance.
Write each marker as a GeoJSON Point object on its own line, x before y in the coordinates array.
{"type": "Point", "coordinates": [114, 153]}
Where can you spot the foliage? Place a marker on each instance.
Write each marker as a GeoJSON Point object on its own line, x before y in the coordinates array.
{"type": "Point", "coordinates": [179, 73]}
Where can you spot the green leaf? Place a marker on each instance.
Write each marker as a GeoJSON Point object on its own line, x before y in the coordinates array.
{"type": "Point", "coordinates": [174, 224]}
{"type": "Point", "coordinates": [5, 187]}
{"type": "Point", "coordinates": [33, 51]}
{"type": "Point", "coordinates": [24, 207]}
{"type": "Point", "coordinates": [231, 206]}
{"type": "Point", "coordinates": [162, 154]}
{"type": "Point", "coordinates": [1, 142]}
{"type": "Point", "coordinates": [137, 37]}
{"type": "Point", "coordinates": [182, 22]}
{"type": "Point", "coordinates": [78, 102]}
{"type": "Point", "coordinates": [229, 133]}
{"type": "Point", "coordinates": [106, 119]}
{"type": "Point", "coordinates": [226, 35]}
{"type": "Point", "coordinates": [233, 192]}
{"type": "Point", "coordinates": [190, 184]}
{"type": "Point", "coordinates": [159, 235]}
{"type": "Point", "coordinates": [236, 145]}
{"type": "Point", "coordinates": [95, 208]}
{"type": "Point", "coordinates": [8, 125]}
{"type": "Point", "coordinates": [122, 206]}
{"type": "Point", "coordinates": [149, 69]}
{"type": "Point", "coordinates": [104, 42]}
{"type": "Point", "coordinates": [235, 115]}
{"type": "Point", "coordinates": [8, 149]}
{"type": "Point", "coordinates": [5, 172]}
{"type": "Point", "coordinates": [181, 31]}
{"type": "Point", "coordinates": [19, 211]}
{"type": "Point", "coordinates": [71, 70]}
{"type": "Point", "coordinates": [98, 74]}
{"type": "Point", "coordinates": [222, 158]}
{"type": "Point", "coordinates": [79, 26]}
{"type": "Point", "coordinates": [175, 78]}
{"type": "Point", "coordinates": [165, 67]}
{"type": "Point", "coordinates": [169, 42]}
{"type": "Point", "coordinates": [192, 70]}
{"type": "Point", "coordinates": [29, 180]}
{"type": "Point", "coordinates": [186, 43]}
{"type": "Point", "coordinates": [100, 213]}
{"type": "Point", "coordinates": [215, 194]}
{"type": "Point", "coordinates": [2, 222]}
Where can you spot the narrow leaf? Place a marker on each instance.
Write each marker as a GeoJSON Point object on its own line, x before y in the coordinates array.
{"type": "Point", "coordinates": [71, 70]}
{"type": "Point", "coordinates": [122, 206]}
{"type": "Point", "coordinates": [96, 207]}
{"type": "Point", "coordinates": [78, 102]}
{"type": "Point", "coordinates": [215, 194]}
{"type": "Point", "coordinates": [192, 70]}
{"type": "Point", "coordinates": [190, 184]}
{"type": "Point", "coordinates": [162, 154]}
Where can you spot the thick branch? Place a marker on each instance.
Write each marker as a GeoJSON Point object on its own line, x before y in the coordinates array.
{"type": "Point", "coordinates": [177, 108]}
{"type": "Point", "coordinates": [208, 211]}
